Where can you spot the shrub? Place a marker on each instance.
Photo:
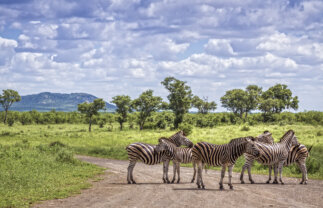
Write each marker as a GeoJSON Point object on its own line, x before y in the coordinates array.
{"type": "Point", "coordinates": [245, 128]}
{"type": "Point", "coordinates": [10, 121]}
{"type": "Point", "coordinates": [186, 128]}
{"type": "Point", "coordinates": [65, 156]}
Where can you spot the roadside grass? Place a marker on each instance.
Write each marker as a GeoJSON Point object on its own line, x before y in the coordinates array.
{"type": "Point", "coordinates": [54, 179]}
{"type": "Point", "coordinates": [33, 173]}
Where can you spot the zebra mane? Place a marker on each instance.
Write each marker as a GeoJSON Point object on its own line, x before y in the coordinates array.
{"type": "Point", "coordinates": [241, 140]}
{"type": "Point", "coordinates": [287, 135]}
{"type": "Point", "coordinates": [167, 140]}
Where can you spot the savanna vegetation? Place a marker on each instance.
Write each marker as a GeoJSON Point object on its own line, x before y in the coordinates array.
{"type": "Point", "coordinates": [37, 148]}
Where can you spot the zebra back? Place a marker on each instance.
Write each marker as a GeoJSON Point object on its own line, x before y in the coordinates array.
{"type": "Point", "coordinates": [179, 154]}
{"type": "Point", "coordinates": [146, 153]}
{"type": "Point", "coordinates": [217, 155]}
{"type": "Point", "coordinates": [179, 139]}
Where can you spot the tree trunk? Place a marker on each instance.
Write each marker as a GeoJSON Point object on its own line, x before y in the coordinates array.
{"type": "Point", "coordinates": [5, 116]}
{"type": "Point", "coordinates": [90, 124]}
{"type": "Point", "coordinates": [121, 125]}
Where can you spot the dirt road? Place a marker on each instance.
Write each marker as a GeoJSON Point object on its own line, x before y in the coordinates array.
{"type": "Point", "coordinates": [113, 191]}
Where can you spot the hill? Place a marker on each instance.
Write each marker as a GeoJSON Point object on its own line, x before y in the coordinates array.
{"type": "Point", "coordinates": [47, 101]}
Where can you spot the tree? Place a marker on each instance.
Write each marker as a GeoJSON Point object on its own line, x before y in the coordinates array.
{"type": "Point", "coordinates": [7, 98]}
{"type": "Point", "coordinates": [123, 103]}
{"type": "Point", "coordinates": [91, 109]}
{"type": "Point", "coordinates": [203, 106]}
{"type": "Point", "coordinates": [235, 100]}
{"type": "Point", "coordinates": [253, 98]}
{"type": "Point", "coordinates": [278, 98]}
{"type": "Point", "coordinates": [145, 105]}
{"type": "Point", "coordinates": [180, 98]}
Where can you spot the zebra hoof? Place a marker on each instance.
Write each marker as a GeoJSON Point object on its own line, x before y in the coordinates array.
{"type": "Point", "coordinates": [129, 182]}
{"type": "Point", "coordinates": [221, 188]}
{"type": "Point", "coordinates": [252, 182]}
{"type": "Point", "coordinates": [198, 186]}
{"type": "Point", "coordinates": [282, 183]}
{"type": "Point", "coordinates": [231, 187]}
{"type": "Point", "coordinates": [192, 181]}
{"type": "Point", "coordinates": [268, 182]}
{"type": "Point", "coordinates": [203, 187]}
{"type": "Point", "coordinates": [242, 182]}
{"type": "Point", "coordinates": [275, 182]}
{"type": "Point", "coordinates": [177, 182]}
{"type": "Point", "coordinates": [133, 182]}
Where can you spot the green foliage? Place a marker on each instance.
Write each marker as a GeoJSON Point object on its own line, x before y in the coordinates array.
{"type": "Point", "coordinates": [203, 106]}
{"type": "Point", "coordinates": [7, 98]}
{"type": "Point", "coordinates": [186, 128]}
{"type": "Point", "coordinates": [278, 98]}
{"type": "Point", "coordinates": [235, 101]}
{"type": "Point", "coordinates": [245, 128]}
{"type": "Point", "coordinates": [91, 109]}
{"type": "Point", "coordinates": [180, 98]}
{"type": "Point", "coordinates": [123, 103]}
{"type": "Point", "coordinates": [10, 121]}
{"type": "Point", "coordinates": [145, 105]}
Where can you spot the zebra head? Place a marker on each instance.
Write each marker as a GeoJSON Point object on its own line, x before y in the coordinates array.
{"type": "Point", "coordinates": [289, 138]}
{"type": "Point", "coordinates": [266, 137]}
{"type": "Point", "coordinates": [163, 145]}
{"type": "Point", "coordinates": [180, 139]}
{"type": "Point", "coordinates": [251, 148]}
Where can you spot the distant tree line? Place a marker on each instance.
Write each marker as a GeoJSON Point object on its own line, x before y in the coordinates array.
{"type": "Point", "coordinates": [144, 110]}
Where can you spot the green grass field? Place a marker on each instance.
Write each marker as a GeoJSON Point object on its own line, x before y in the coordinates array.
{"type": "Point", "coordinates": [31, 170]}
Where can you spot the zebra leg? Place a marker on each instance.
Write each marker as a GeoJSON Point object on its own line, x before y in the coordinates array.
{"type": "Point", "coordinates": [199, 180]}
{"type": "Point", "coordinates": [275, 173]}
{"type": "Point", "coordinates": [230, 176]}
{"type": "Point", "coordinates": [280, 169]}
{"type": "Point", "coordinates": [222, 176]}
{"type": "Point", "coordinates": [270, 170]}
{"type": "Point", "coordinates": [194, 166]}
{"type": "Point", "coordinates": [165, 171]}
{"type": "Point", "coordinates": [242, 172]}
{"type": "Point", "coordinates": [174, 171]}
{"type": "Point", "coordinates": [178, 172]}
{"type": "Point", "coordinates": [131, 166]}
{"type": "Point", "coordinates": [302, 166]}
{"type": "Point", "coordinates": [249, 174]}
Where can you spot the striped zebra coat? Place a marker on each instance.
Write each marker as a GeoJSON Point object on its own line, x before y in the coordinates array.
{"type": "Point", "coordinates": [271, 154]}
{"type": "Point", "coordinates": [146, 153]}
{"type": "Point", "coordinates": [178, 155]}
{"type": "Point", "coordinates": [221, 155]}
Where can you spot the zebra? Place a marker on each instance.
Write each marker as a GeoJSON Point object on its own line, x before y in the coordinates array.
{"type": "Point", "coordinates": [146, 153]}
{"type": "Point", "coordinates": [271, 154]}
{"type": "Point", "coordinates": [178, 155]}
{"type": "Point", "coordinates": [221, 155]}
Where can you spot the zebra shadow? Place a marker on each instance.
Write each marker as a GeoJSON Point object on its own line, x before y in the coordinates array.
{"type": "Point", "coordinates": [267, 184]}
{"type": "Point", "coordinates": [196, 189]}
{"type": "Point", "coordinates": [152, 183]}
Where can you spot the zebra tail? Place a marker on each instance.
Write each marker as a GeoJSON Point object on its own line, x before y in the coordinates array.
{"type": "Point", "coordinates": [309, 149]}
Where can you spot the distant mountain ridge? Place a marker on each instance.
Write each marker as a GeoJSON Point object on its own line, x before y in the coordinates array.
{"type": "Point", "coordinates": [47, 101]}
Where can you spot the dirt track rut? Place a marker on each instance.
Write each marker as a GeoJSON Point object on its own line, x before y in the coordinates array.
{"type": "Point", "coordinates": [113, 191]}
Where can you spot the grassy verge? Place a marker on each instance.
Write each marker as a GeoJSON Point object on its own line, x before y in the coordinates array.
{"type": "Point", "coordinates": [33, 173]}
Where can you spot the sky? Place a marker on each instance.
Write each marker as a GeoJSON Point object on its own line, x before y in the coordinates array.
{"type": "Point", "coordinates": [124, 47]}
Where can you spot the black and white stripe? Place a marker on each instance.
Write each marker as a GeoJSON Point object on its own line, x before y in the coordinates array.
{"type": "Point", "coordinates": [146, 153]}
{"type": "Point", "coordinates": [221, 155]}
{"type": "Point", "coordinates": [178, 155]}
{"type": "Point", "coordinates": [271, 154]}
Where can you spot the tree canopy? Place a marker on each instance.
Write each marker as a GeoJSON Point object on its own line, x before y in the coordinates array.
{"type": "Point", "coordinates": [91, 109]}
{"type": "Point", "coordinates": [145, 105]}
{"type": "Point", "coordinates": [180, 98]}
{"type": "Point", "coordinates": [123, 103]}
{"type": "Point", "coordinates": [203, 106]}
{"type": "Point", "coordinates": [7, 98]}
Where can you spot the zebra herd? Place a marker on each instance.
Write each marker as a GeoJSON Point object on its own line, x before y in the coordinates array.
{"type": "Point", "coordinates": [261, 148]}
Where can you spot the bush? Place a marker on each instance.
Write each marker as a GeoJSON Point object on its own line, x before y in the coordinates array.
{"type": "Point", "coordinates": [10, 121]}
{"type": "Point", "coordinates": [245, 128]}
{"type": "Point", "coordinates": [65, 156]}
{"type": "Point", "coordinates": [186, 128]}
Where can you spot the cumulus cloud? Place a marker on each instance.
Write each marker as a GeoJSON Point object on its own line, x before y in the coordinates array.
{"type": "Point", "coordinates": [112, 47]}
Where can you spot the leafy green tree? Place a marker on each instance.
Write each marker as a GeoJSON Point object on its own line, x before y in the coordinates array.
{"type": "Point", "coordinates": [123, 103]}
{"type": "Point", "coordinates": [145, 105]}
{"type": "Point", "coordinates": [235, 100]}
{"type": "Point", "coordinates": [91, 109]}
{"type": "Point", "coordinates": [180, 98]}
{"type": "Point", "coordinates": [7, 98]}
{"type": "Point", "coordinates": [203, 106]}
{"type": "Point", "coordinates": [253, 98]}
{"type": "Point", "coordinates": [278, 98]}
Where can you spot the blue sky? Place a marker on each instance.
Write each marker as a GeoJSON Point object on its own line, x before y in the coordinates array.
{"type": "Point", "coordinates": [109, 48]}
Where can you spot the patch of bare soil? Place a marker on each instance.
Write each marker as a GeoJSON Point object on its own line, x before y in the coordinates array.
{"type": "Point", "coordinates": [113, 190]}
